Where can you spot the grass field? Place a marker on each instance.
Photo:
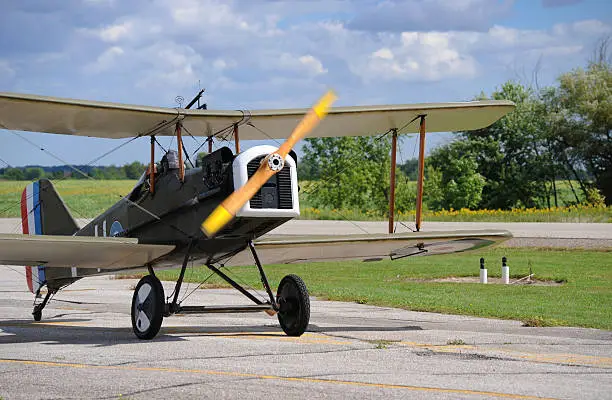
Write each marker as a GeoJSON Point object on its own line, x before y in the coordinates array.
{"type": "Point", "coordinates": [88, 198]}
{"type": "Point", "coordinates": [584, 299]}
{"type": "Point", "coordinates": [562, 214]}
{"type": "Point", "coordinates": [84, 198]}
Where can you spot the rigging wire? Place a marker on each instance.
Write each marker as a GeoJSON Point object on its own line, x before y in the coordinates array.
{"type": "Point", "coordinates": [92, 178]}
{"type": "Point", "coordinates": [264, 133]}
{"type": "Point", "coordinates": [24, 274]}
{"type": "Point", "coordinates": [89, 177]}
{"type": "Point", "coordinates": [159, 144]}
{"type": "Point", "coordinates": [196, 288]}
{"type": "Point", "coordinates": [51, 154]}
{"type": "Point", "coordinates": [224, 133]}
{"type": "Point", "coordinates": [90, 163]}
{"type": "Point", "coordinates": [351, 158]}
{"type": "Point", "coordinates": [7, 164]}
{"type": "Point", "coordinates": [156, 217]}
{"type": "Point", "coordinates": [321, 181]}
{"type": "Point", "coordinates": [397, 220]}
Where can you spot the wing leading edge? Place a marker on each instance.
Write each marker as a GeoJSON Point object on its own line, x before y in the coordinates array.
{"type": "Point", "coordinates": [113, 120]}
{"type": "Point", "coordinates": [78, 251]}
{"type": "Point", "coordinates": [312, 248]}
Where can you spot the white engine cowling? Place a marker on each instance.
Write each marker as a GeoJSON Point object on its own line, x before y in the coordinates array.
{"type": "Point", "coordinates": [289, 201]}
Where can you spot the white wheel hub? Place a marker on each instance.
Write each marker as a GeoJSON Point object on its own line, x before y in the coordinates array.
{"type": "Point", "coordinates": [142, 320]}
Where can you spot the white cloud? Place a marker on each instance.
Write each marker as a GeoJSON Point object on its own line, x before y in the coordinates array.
{"type": "Point", "coordinates": [262, 53]}
{"type": "Point", "coordinates": [167, 65]}
{"type": "Point", "coordinates": [591, 27]}
{"type": "Point", "coordinates": [105, 61]}
{"type": "Point", "coordinates": [114, 33]}
{"type": "Point", "coordinates": [220, 64]}
{"type": "Point", "coordinates": [312, 64]}
{"type": "Point", "coordinates": [384, 53]}
{"type": "Point", "coordinates": [304, 66]}
{"type": "Point", "coordinates": [6, 71]}
{"type": "Point", "coordinates": [228, 45]}
{"type": "Point", "coordinates": [418, 56]}
{"type": "Point", "coordinates": [426, 15]}
{"type": "Point", "coordinates": [206, 13]}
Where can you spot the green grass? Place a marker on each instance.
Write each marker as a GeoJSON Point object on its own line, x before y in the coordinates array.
{"type": "Point", "coordinates": [583, 300]}
{"type": "Point", "coordinates": [569, 214]}
{"type": "Point", "coordinates": [85, 199]}
{"type": "Point", "coordinates": [89, 198]}
{"type": "Point", "coordinates": [566, 212]}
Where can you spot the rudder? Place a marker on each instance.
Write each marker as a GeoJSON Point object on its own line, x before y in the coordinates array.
{"type": "Point", "coordinates": [43, 212]}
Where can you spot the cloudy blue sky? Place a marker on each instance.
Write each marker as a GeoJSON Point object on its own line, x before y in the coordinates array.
{"type": "Point", "coordinates": [251, 54]}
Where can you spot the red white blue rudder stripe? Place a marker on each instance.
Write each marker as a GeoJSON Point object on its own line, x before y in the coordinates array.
{"type": "Point", "coordinates": [31, 223]}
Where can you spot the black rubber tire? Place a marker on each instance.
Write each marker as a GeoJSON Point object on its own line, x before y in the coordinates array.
{"type": "Point", "coordinates": [37, 315]}
{"type": "Point", "coordinates": [294, 302]}
{"type": "Point", "coordinates": [152, 306]}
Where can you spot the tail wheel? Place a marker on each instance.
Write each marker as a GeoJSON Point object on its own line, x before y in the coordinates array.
{"type": "Point", "coordinates": [294, 305]}
{"type": "Point", "coordinates": [148, 305]}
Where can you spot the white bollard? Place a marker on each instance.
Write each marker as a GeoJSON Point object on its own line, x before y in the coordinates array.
{"type": "Point", "coordinates": [483, 271]}
{"type": "Point", "coordinates": [505, 271]}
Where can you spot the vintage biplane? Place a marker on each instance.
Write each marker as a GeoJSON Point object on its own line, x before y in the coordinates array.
{"type": "Point", "coordinates": [214, 213]}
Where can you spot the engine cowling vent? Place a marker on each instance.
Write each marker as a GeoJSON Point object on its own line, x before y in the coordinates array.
{"type": "Point", "coordinates": [276, 193]}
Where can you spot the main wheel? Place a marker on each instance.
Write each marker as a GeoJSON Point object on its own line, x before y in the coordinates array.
{"type": "Point", "coordinates": [148, 307]}
{"type": "Point", "coordinates": [294, 305]}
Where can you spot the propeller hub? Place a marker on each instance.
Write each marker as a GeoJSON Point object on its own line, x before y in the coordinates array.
{"type": "Point", "coordinates": [276, 162]}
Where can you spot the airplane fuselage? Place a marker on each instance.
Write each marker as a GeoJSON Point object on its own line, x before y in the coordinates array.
{"type": "Point", "coordinates": [173, 212]}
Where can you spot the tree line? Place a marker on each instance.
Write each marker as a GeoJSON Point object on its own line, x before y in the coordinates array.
{"type": "Point", "coordinates": [560, 133]}
{"type": "Point", "coordinates": [29, 173]}
{"type": "Point", "coordinates": [131, 170]}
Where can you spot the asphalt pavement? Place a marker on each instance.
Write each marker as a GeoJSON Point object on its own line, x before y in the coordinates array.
{"type": "Point", "coordinates": [84, 348]}
{"type": "Point", "coordinates": [526, 234]}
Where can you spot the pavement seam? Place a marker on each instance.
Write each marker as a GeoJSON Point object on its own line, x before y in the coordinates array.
{"type": "Point", "coordinates": [488, 394]}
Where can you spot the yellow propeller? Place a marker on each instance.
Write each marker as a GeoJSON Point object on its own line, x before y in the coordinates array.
{"type": "Point", "coordinates": [270, 165]}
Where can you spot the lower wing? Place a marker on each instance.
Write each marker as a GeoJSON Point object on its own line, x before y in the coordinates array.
{"type": "Point", "coordinates": [78, 251]}
{"type": "Point", "coordinates": [311, 248]}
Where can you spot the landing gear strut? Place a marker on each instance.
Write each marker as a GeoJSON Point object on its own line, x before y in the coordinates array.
{"type": "Point", "coordinates": [291, 303]}
{"type": "Point", "coordinates": [37, 312]}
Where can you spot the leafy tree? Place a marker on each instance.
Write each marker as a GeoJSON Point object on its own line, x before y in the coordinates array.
{"type": "Point", "coordinates": [307, 170]}
{"type": "Point", "coordinates": [352, 171]}
{"type": "Point", "coordinates": [35, 173]}
{"type": "Point", "coordinates": [580, 122]}
{"type": "Point", "coordinates": [199, 158]}
{"type": "Point", "coordinates": [14, 174]}
{"type": "Point", "coordinates": [453, 180]}
{"type": "Point", "coordinates": [134, 170]}
{"type": "Point", "coordinates": [410, 168]}
{"type": "Point", "coordinates": [502, 166]}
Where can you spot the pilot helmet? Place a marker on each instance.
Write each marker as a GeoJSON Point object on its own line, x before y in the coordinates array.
{"type": "Point", "coordinates": [170, 160]}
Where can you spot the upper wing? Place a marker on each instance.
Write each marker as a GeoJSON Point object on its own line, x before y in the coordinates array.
{"type": "Point", "coordinates": [113, 120]}
{"type": "Point", "coordinates": [77, 251]}
{"type": "Point", "coordinates": [298, 249]}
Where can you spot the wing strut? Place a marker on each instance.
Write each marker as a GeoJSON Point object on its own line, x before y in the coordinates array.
{"type": "Point", "coordinates": [152, 167]}
{"type": "Point", "coordinates": [419, 201]}
{"type": "Point", "coordinates": [392, 182]}
{"type": "Point", "coordinates": [236, 139]}
{"type": "Point", "coordinates": [179, 141]}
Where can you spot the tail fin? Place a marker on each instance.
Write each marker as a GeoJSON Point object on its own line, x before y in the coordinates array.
{"type": "Point", "coordinates": [43, 213]}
